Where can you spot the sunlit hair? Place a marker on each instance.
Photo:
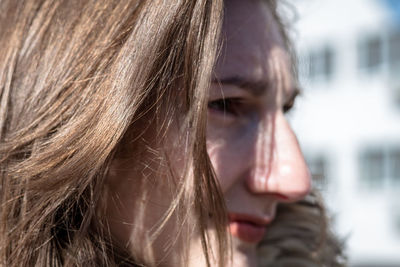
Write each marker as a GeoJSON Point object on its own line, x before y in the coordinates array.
{"type": "Point", "coordinates": [75, 77]}
{"type": "Point", "coordinates": [79, 80]}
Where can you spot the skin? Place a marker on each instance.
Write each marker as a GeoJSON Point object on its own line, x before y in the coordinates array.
{"type": "Point", "coordinates": [253, 150]}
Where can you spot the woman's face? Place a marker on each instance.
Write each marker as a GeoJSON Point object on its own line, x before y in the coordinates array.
{"type": "Point", "coordinates": [253, 150]}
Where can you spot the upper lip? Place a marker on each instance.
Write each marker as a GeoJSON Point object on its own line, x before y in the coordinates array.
{"type": "Point", "coordinates": [257, 220]}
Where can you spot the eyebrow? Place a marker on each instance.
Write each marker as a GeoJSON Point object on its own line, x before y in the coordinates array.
{"type": "Point", "coordinates": [257, 88]}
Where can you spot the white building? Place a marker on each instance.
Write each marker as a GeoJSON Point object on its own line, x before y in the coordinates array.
{"type": "Point", "coordinates": [348, 119]}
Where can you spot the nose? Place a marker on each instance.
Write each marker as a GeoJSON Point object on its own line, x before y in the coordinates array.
{"type": "Point", "coordinates": [279, 166]}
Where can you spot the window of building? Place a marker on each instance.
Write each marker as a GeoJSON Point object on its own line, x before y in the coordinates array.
{"type": "Point", "coordinates": [394, 48]}
{"type": "Point", "coordinates": [394, 64]}
{"type": "Point", "coordinates": [318, 166]}
{"type": "Point", "coordinates": [372, 167]}
{"type": "Point", "coordinates": [394, 165]}
{"type": "Point", "coordinates": [380, 167]}
{"type": "Point", "coordinates": [370, 53]}
{"type": "Point", "coordinates": [321, 64]}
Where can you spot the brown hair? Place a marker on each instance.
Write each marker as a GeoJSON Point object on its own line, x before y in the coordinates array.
{"type": "Point", "coordinates": [77, 80]}
{"type": "Point", "coordinates": [74, 77]}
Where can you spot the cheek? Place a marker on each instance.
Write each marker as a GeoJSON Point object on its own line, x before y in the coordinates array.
{"type": "Point", "coordinates": [139, 188]}
{"type": "Point", "coordinates": [220, 157]}
{"type": "Point", "coordinates": [236, 151]}
{"type": "Point", "coordinates": [137, 200]}
{"type": "Point", "coordinates": [227, 148]}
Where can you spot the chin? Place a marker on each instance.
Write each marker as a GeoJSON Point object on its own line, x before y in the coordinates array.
{"type": "Point", "coordinates": [244, 253]}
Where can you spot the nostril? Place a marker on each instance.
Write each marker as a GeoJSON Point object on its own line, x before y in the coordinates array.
{"type": "Point", "coordinates": [287, 180]}
{"type": "Point", "coordinates": [282, 197]}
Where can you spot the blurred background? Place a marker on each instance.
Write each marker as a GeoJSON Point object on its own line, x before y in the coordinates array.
{"type": "Point", "coordinates": [348, 119]}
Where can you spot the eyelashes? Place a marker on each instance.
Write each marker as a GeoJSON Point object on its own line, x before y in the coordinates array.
{"type": "Point", "coordinates": [227, 106]}
{"type": "Point", "coordinates": [288, 107]}
{"type": "Point", "coordinates": [238, 108]}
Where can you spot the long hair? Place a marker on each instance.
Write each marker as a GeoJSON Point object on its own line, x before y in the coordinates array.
{"type": "Point", "coordinates": [78, 79]}
{"type": "Point", "coordinates": [75, 77]}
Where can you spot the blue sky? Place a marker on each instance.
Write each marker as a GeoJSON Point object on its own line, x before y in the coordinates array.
{"type": "Point", "coordinates": [394, 6]}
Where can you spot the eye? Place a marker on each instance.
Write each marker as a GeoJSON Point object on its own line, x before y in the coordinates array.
{"type": "Point", "coordinates": [227, 106]}
{"type": "Point", "coordinates": [288, 106]}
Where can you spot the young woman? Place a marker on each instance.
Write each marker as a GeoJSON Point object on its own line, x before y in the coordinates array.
{"type": "Point", "coordinates": [151, 133]}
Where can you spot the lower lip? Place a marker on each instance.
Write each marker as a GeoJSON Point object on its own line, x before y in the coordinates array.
{"type": "Point", "coordinates": [247, 232]}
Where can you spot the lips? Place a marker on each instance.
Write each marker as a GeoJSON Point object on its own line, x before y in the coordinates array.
{"type": "Point", "coordinates": [248, 228]}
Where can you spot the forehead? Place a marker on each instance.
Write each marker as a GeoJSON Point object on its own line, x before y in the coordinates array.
{"type": "Point", "coordinates": [253, 46]}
